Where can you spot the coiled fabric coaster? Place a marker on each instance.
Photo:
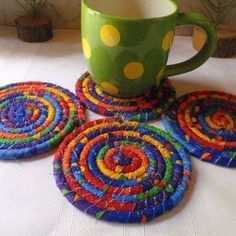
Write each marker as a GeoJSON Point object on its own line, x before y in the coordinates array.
{"type": "Point", "coordinates": [205, 123]}
{"type": "Point", "coordinates": [143, 108]}
{"type": "Point", "coordinates": [35, 117]}
{"type": "Point", "coordinates": [121, 172]}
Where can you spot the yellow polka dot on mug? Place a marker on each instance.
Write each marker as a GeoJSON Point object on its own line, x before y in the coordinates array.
{"type": "Point", "coordinates": [167, 41]}
{"type": "Point", "coordinates": [160, 73]}
{"type": "Point", "coordinates": [86, 48]}
{"type": "Point", "coordinates": [110, 35]}
{"type": "Point", "coordinates": [109, 88]}
{"type": "Point", "coordinates": [133, 70]}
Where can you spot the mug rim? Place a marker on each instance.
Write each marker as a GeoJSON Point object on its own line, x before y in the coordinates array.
{"type": "Point", "coordinates": [107, 15]}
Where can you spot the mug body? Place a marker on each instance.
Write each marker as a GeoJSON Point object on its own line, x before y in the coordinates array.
{"type": "Point", "coordinates": [126, 43]}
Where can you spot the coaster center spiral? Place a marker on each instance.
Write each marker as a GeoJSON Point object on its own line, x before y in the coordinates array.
{"type": "Point", "coordinates": [222, 119]}
{"type": "Point", "coordinates": [19, 112]}
{"type": "Point", "coordinates": [121, 159]}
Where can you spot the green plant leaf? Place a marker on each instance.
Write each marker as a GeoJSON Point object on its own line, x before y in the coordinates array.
{"type": "Point", "coordinates": [218, 10]}
{"type": "Point", "coordinates": [31, 7]}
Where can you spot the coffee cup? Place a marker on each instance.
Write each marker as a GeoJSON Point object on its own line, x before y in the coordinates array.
{"type": "Point", "coordinates": [126, 43]}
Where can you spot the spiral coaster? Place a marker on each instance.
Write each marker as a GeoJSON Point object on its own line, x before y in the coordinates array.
{"type": "Point", "coordinates": [205, 123]}
{"type": "Point", "coordinates": [35, 117]}
{"type": "Point", "coordinates": [143, 108]}
{"type": "Point", "coordinates": [121, 172]}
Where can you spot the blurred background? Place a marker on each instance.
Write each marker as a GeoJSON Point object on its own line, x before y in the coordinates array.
{"type": "Point", "coordinates": [65, 14]}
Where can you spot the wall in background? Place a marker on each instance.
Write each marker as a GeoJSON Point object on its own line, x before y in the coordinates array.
{"type": "Point", "coordinates": [66, 13]}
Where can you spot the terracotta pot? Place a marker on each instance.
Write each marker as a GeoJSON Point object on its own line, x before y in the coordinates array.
{"type": "Point", "coordinates": [226, 41]}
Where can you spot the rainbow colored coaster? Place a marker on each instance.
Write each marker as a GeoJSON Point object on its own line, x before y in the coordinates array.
{"type": "Point", "coordinates": [35, 117]}
{"type": "Point", "coordinates": [122, 172]}
{"type": "Point", "coordinates": [205, 123]}
{"type": "Point", "coordinates": [143, 108]}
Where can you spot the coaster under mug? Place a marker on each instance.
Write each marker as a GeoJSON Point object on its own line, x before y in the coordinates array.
{"type": "Point", "coordinates": [150, 106]}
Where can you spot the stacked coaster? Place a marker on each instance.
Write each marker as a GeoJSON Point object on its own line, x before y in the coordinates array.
{"type": "Point", "coordinates": [35, 117]}
{"type": "Point", "coordinates": [143, 108]}
{"type": "Point", "coordinates": [121, 172]}
{"type": "Point", "coordinates": [205, 123]}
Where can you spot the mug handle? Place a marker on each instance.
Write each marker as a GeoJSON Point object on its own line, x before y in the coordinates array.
{"type": "Point", "coordinates": [204, 53]}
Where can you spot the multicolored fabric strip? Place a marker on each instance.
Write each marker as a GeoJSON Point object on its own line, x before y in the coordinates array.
{"type": "Point", "coordinates": [205, 123]}
{"type": "Point", "coordinates": [35, 117]}
{"type": "Point", "coordinates": [125, 172]}
{"type": "Point", "coordinates": [143, 108]}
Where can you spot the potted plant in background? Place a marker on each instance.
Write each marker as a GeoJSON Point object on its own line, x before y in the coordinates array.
{"type": "Point", "coordinates": [218, 11]}
{"type": "Point", "coordinates": [33, 27]}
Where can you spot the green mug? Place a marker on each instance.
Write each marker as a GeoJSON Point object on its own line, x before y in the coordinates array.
{"type": "Point", "coordinates": [126, 43]}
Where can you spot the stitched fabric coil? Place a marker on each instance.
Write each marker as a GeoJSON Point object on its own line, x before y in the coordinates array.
{"type": "Point", "coordinates": [205, 123]}
{"type": "Point", "coordinates": [143, 108]}
{"type": "Point", "coordinates": [125, 172]}
{"type": "Point", "coordinates": [35, 117]}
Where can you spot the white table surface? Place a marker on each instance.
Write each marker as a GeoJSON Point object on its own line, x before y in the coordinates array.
{"type": "Point", "coordinates": [30, 202]}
